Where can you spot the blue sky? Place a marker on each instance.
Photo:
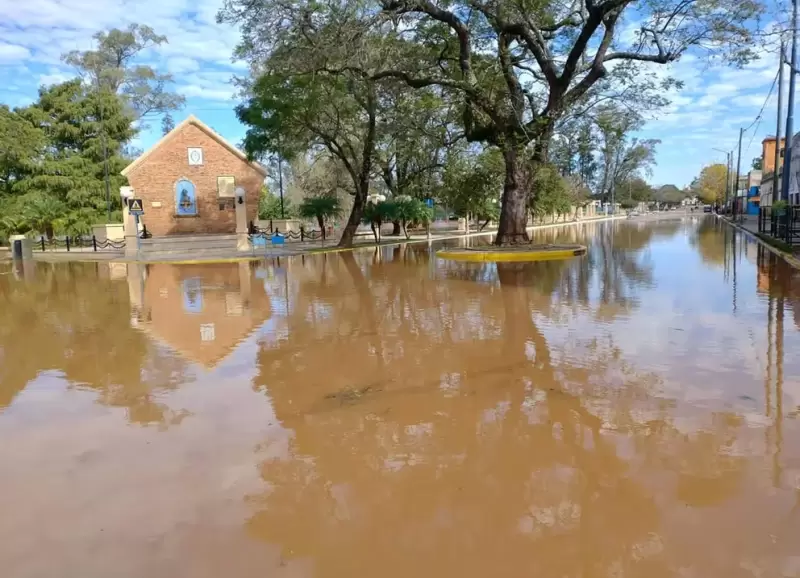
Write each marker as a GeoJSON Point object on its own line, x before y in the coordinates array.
{"type": "Point", "coordinates": [705, 115]}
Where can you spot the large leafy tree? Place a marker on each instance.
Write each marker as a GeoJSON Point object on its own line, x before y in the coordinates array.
{"type": "Point", "coordinates": [415, 133]}
{"type": "Point", "coordinates": [306, 100]}
{"type": "Point", "coordinates": [515, 66]}
{"type": "Point", "coordinates": [623, 157]}
{"type": "Point", "coordinates": [80, 127]}
{"type": "Point", "coordinates": [712, 183]}
{"type": "Point", "coordinates": [472, 185]}
{"type": "Point", "coordinates": [21, 148]}
{"type": "Point", "coordinates": [112, 65]}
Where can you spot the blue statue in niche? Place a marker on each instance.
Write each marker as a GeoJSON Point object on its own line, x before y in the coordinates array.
{"type": "Point", "coordinates": [185, 201]}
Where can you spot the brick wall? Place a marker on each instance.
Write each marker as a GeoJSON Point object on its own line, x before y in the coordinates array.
{"type": "Point", "coordinates": [155, 177]}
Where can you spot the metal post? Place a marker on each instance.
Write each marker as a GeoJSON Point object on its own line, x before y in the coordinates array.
{"type": "Point", "coordinates": [280, 182]}
{"type": "Point", "coordinates": [776, 194]}
{"type": "Point", "coordinates": [42, 243]}
{"type": "Point", "coordinates": [787, 150]}
{"type": "Point", "coordinates": [736, 176]}
{"type": "Point", "coordinates": [138, 242]}
{"type": "Point", "coordinates": [730, 177]}
{"type": "Point", "coordinates": [94, 243]}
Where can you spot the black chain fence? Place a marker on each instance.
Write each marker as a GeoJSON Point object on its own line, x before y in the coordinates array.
{"type": "Point", "coordinates": [79, 242]}
{"type": "Point", "coordinates": [259, 235]}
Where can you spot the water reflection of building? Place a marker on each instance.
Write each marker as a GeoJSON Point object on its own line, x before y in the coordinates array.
{"type": "Point", "coordinates": [200, 311]}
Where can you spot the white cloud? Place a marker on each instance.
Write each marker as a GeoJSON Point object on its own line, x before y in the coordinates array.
{"type": "Point", "coordinates": [54, 77]}
{"type": "Point", "coordinates": [193, 90]}
{"type": "Point", "coordinates": [13, 53]}
{"type": "Point", "coordinates": [181, 64]}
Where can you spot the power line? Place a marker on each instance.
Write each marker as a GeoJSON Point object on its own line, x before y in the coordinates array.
{"type": "Point", "coordinates": [761, 112]}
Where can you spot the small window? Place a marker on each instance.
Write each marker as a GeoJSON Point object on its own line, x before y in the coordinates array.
{"type": "Point", "coordinates": [226, 187]}
{"type": "Point", "coordinates": [781, 153]}
{"type": "Point", "coordinates": [226, 205]}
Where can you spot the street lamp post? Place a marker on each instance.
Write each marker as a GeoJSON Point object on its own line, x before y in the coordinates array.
{"type": "Point", "coordinates": [727, 171]}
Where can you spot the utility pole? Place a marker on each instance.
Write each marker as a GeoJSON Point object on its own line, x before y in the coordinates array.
{"type": "Point", "coordinates": [736, 176]}
{"type": "Point", "coordinates": [727, 177]}
{"type": "Point", "coordinates": [776, 193]}
{"type": "Point", "coordinates": [729, 182]}
{"type": "Point", "coordinates": [787, 150]}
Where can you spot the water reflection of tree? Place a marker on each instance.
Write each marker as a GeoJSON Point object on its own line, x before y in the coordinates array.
{"type": "Point", "coordinates": [710, 240]}
{"type": "Point", "coordinates": [605, 281]}
{"type": "Point", "coordinates": [441, 422]}
{"type": "Point", "coordinates": [71, 318]}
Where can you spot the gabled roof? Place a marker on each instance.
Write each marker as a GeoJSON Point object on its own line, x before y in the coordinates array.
{"type": "Point", "coordinates": [191, 119]}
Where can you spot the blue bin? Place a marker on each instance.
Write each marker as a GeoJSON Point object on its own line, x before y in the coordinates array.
{"type": "Point", "coordinates": [277, 239]}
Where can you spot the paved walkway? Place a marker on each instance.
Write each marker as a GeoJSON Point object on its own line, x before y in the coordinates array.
{"type": "Point", "coordinates": [288, 250]}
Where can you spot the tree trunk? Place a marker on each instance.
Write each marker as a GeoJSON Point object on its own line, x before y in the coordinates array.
{"type": "Point", "coordinates": [350, 228]}
{"type": "Point", "coordinates": [374, 232]}
{"type": "Point", "coordinates": [514, 213]}
{"type": "Point", "coordinates": [361, 177]}
{"type": "Point", "coordinates": [405, 230]}
{"type": "Point", "coordinates": [321, 222]}
{"type": "Point", "coordinates": [396, 231]}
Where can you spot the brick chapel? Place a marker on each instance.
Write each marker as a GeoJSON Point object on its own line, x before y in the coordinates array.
{"type": "Point", "coordinates": [188, 179]}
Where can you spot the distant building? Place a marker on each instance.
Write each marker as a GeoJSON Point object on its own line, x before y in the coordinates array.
{"type": "Point", "coordinates": [188, 179]}
{"type": "Point", "coordinates": [768, 154]}
{"type": "Point", "coordinates": [767, 192]}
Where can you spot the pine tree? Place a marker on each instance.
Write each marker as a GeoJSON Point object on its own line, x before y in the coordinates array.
{"type": "Point", "coordinates": [167, 124]}
{"type": "Point", "coordinates": [78, 123]}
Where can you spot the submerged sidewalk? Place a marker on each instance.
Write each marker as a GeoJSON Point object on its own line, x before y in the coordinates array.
{"type": "Point", "coordinates": [749, 224]}
{"type": "Point", "coordinates": [200, 255]}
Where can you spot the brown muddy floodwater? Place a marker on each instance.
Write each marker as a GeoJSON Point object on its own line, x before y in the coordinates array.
{"type": "Point", "coordinates": [631, 413]}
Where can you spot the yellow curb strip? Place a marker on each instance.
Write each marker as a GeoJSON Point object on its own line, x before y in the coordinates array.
{"type": "Point", "coordinates": [510, 256]}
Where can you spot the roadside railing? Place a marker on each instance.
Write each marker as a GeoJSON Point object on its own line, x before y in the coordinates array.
{"type": "Point", "coordinates": [783, 224]}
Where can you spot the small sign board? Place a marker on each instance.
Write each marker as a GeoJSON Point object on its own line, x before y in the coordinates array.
{"type": "Point", "coordinates": [136, 206]}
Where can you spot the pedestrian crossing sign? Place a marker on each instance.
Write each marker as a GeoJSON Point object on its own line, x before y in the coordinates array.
{"type": "Point", "coordinates": [136, 206]}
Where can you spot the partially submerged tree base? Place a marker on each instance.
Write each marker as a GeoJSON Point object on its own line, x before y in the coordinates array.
{"type": "Point", "coordinates": [512, 240]}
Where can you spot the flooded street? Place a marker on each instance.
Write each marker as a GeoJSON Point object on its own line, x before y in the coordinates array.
{"type": "Point", "coordinates": [631, 413]}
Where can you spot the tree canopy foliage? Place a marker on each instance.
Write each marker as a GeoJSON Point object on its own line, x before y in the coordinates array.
{"type": "Point", "coordinates": [58, 182]}
{"type": "Point", "coordinates": [712, 183]}
{"type": "Point", "coordinates": [112, 66]}
{"type": "Point", "coordinates": [54, 153]}
{"type": "Point", "coordinates": [511, 70]}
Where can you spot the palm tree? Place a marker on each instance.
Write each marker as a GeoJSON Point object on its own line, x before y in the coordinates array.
{"type": "Point", "coordinates": [410, 210]}
{"type": "Point", "coordinates": [376, 213]}
{"type": "Point", "coordinates": [43, 213]}
{"type": "Point", "coordinates": [321, 208]}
